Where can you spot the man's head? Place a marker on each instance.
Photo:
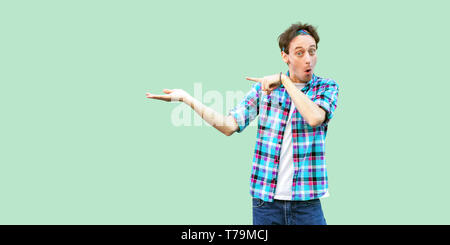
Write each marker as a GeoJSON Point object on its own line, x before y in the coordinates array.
{"type": "Point", "coordinates": [298, 46]}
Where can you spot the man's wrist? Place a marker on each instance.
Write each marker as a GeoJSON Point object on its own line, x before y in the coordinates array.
{"type": "Point", "coordinates": [284, 79]}
{"type": "Point", "coordinates": [188, 99]}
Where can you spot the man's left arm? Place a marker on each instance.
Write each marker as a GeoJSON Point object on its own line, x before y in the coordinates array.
{"type": "Point", "coordinates": [315, 112]}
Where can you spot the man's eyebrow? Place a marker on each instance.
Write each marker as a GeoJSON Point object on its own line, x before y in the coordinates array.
{"type": "Point", "coordinates": [302, 47]}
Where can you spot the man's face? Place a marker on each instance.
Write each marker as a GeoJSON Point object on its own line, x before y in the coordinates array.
{"type": "Point", "coordinates": [301, 57]}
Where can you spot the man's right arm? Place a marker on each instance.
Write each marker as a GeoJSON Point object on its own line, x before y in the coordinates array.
{"type": "Point", "coordinates": [236, 120]}
{"type": "Point", "coordinates": [225, 124]}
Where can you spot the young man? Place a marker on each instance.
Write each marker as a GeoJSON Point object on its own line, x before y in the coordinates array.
{"type": "Point", "coordinates": [289, 173]}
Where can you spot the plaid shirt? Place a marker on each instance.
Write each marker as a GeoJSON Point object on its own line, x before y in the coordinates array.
{"type": "Point", "coordinates": [310, 173]}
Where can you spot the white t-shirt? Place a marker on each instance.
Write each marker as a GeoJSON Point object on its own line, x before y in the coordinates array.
{"type": "Point", "coordinates": [286, 169]}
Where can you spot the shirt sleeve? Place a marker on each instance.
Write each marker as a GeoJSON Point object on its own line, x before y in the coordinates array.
{"type": "Point", "coordinates": [248, 108]}
{"type": "Point", "coordinates": [326, 98]}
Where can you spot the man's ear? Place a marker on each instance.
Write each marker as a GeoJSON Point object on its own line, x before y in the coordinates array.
{"type": "Point", "coordinates": [285, 57]}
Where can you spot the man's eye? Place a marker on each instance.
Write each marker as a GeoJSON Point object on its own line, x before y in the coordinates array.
{"type": "Point", "coordinates": [312, 51]}
{"type": "Point", "coordinates": [299, 53]}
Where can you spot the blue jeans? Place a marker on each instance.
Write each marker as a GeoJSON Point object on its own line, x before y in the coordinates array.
{"type": "Point", "coordinates": [280, 212]}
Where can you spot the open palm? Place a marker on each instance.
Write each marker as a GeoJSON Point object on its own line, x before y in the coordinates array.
{"type": "Point", "coordinates": [170, 95]}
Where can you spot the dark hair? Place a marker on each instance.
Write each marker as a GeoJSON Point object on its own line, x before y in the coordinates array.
{"type": "Point", "coordinates": [286, 37]}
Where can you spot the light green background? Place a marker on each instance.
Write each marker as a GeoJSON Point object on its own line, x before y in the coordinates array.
{"type": "Point", "coordinates": [81, 144]}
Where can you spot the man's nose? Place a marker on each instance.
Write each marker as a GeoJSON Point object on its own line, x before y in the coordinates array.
{"type": "Point", "coordinates": [307, 58]}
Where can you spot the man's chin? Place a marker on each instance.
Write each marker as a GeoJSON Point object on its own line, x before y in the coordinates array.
{"type": "Point", "coordinates": [306, 78]}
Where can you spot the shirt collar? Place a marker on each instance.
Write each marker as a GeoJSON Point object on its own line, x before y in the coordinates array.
{"type": "Point", "coordinates": [313, 78]}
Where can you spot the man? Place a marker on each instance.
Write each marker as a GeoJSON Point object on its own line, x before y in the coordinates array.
{"type": "Point", "coordinates": [289, 173]}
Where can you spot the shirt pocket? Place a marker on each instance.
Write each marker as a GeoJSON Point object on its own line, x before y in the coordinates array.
{"type": "Point", "coordinates": [271, 107]}
{"type": "Point", "coordinates": [272, 102]}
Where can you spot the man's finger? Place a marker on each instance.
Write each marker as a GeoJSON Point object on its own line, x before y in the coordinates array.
{"type": "Point", "coordinates": [167, 91]}
{"type": "Point", "coordinates": [264, 86]}
{"type": "Point", "coordinates": [160, 97]}
{"type": "Point", "coordinates": [253, 79]}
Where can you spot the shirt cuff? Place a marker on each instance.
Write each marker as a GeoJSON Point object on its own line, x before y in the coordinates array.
{"type": "Point", "coordinates": [326, 106]}
{"type": "Point", "coordinates": [240, 121]}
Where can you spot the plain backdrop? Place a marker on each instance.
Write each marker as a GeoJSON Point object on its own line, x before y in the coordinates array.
{"type": "Point", "coordinates": [81, 144]}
